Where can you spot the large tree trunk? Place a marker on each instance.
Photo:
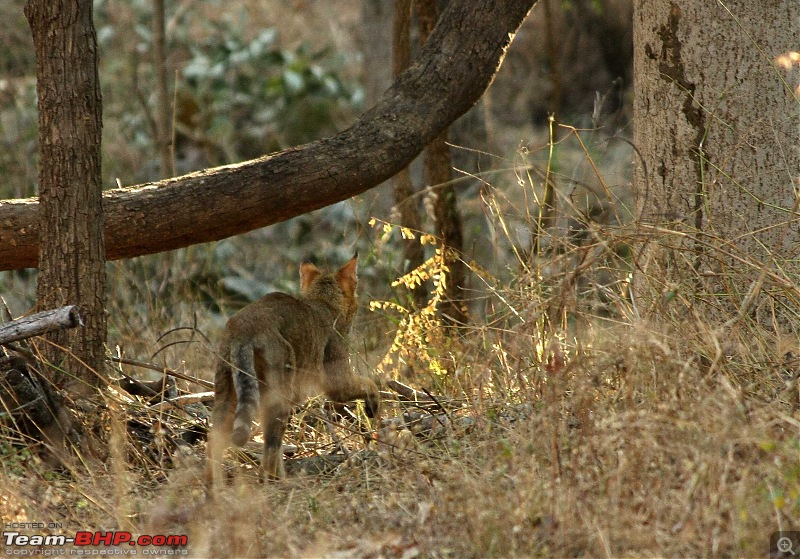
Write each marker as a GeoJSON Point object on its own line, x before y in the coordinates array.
{"type": "Point", "coordinates": [70, 217]}
{"type": "Point", "coordinates": [453, 70]}
{"type": "Point", "coordinates": [717, 129]}
{"type": "Point", "coordinates": [405, 195]}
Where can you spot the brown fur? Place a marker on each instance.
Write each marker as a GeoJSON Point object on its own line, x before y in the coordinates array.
{"type": "Point", "coordinates": [279, 351]}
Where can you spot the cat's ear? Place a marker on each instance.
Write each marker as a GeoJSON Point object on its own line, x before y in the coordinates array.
{"type": "Point", "coordinates": [308, 273]}
{"type": "Point", "coordinates": [347, 276]}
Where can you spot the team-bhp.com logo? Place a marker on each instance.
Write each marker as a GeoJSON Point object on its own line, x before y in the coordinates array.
{"type": "Point", "coordinates": [87, 543]}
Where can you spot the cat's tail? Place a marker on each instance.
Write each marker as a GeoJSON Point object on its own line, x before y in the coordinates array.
{"type": "Point", "coordinates": [246, 385]}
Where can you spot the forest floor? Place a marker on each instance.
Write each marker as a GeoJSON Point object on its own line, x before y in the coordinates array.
{"type": "Point", "coordinates": [626, 440]}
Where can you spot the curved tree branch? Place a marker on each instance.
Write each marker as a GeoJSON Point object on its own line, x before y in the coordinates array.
{"type": "Point", "coordinates": [455, 67]}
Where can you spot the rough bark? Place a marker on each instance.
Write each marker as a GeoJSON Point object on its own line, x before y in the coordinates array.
{"type": "Point", "coordinates": [717, 128]}
{"type": "Point", "coordinates": [70, 217]}
{"type": "Point", "coordinates": [438, 175]}
{"type": "Point", "coordinates": [454, 68]}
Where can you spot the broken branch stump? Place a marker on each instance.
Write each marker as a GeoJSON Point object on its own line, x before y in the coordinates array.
{"type": "Point", "coordinates": [40, 323]}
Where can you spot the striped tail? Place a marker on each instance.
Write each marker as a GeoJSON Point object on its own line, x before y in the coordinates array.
{"type": "Point", "coordinates": [246, 386]}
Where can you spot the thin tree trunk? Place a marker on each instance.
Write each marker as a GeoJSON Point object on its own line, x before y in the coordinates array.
{"type": "Point", "coordinates": [70, 217]}
{"type": "Point", "coordinates": [438, 175]}
{"type": "Point", "coordinates": [376, 21]}
{"type": "Point", "coordinates": [405, 198]}
{"type": "Point", "coordinates": [163, 118]}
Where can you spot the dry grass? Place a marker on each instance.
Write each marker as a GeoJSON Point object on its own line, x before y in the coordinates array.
{"type": "Point", "coordinates": [625, 443]}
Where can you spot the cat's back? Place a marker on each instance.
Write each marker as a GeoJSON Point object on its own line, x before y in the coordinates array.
{"type": "Point", "coordinates": [295, 318]}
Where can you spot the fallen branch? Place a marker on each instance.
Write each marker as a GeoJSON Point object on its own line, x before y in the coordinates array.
{"type": "Point", "coordinates": [40, 323]}
{"type": "Point", "coordinates": [164, 370]}
{"type": "Point", "coordinates": [156, 390]}
{"type": "Point", "coordinates": [179, 401]}
{"type": "Point", "coordinates": [427, 425]}
{"type": "Point", "coordinates": [407, 392]}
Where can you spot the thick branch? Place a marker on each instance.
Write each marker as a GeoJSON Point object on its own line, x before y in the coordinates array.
{"type": "Point", "coordinates": [453, 70]}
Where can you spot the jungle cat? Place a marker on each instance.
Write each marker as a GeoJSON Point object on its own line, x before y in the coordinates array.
{"type": "Point", "coordinates": [277, 352]}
